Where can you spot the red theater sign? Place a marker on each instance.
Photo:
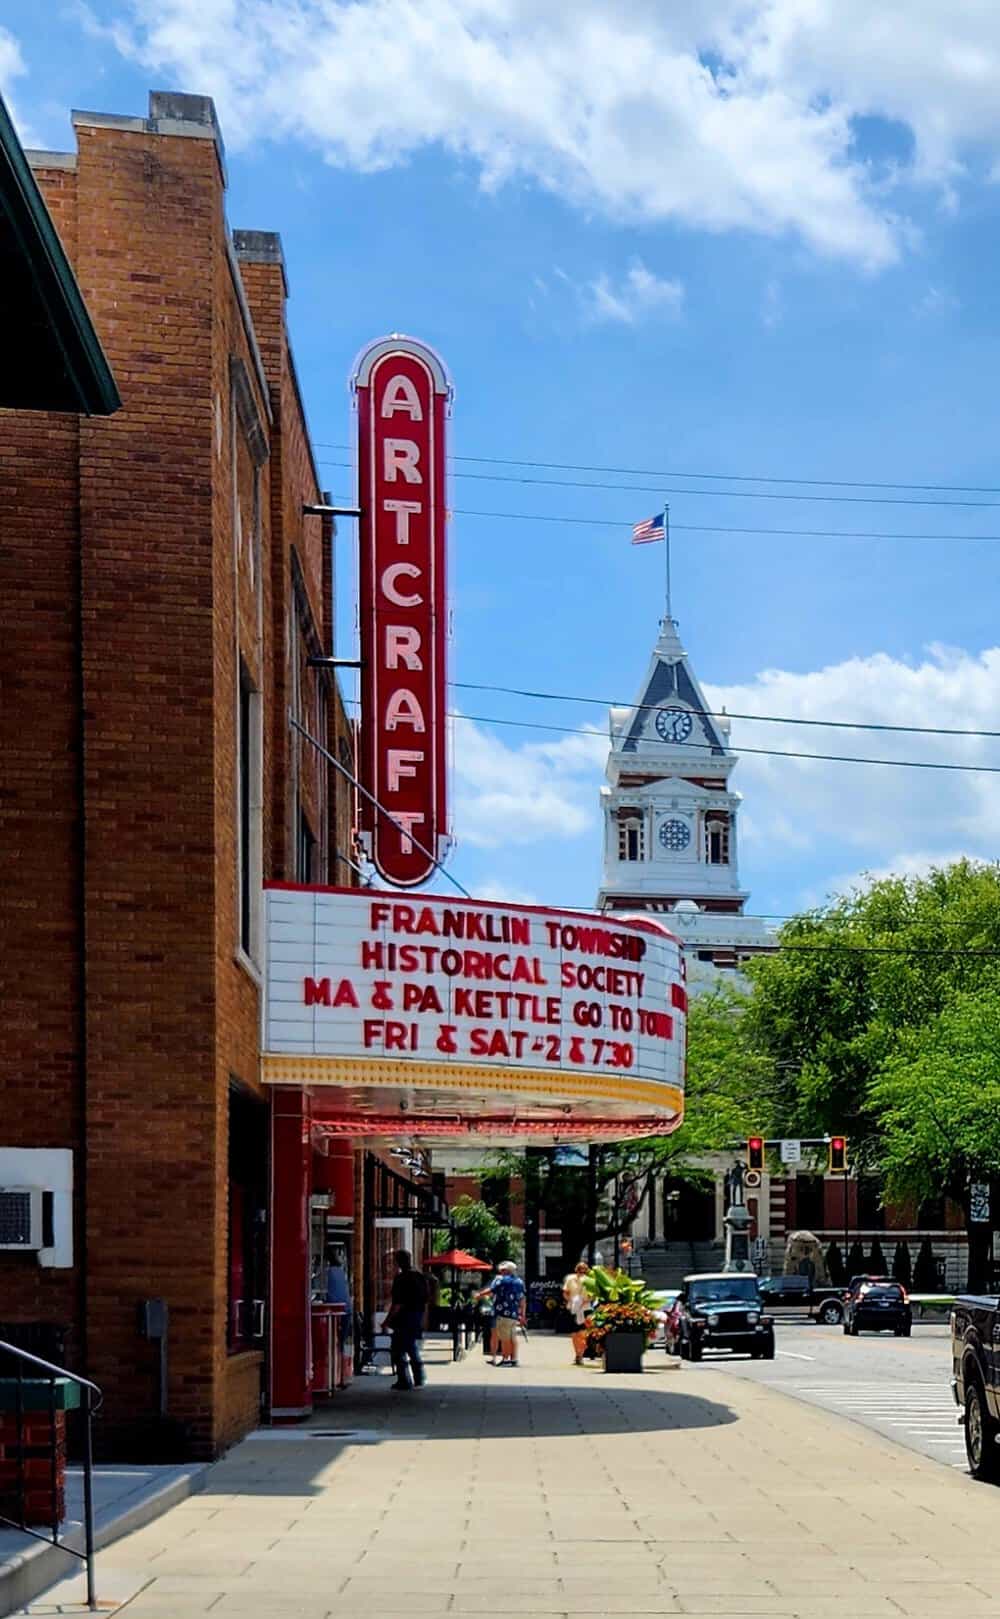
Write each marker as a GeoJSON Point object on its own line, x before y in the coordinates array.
{"type": "Point", "coordinates": [403, 392]}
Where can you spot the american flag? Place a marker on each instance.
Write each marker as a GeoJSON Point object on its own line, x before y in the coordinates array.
{"type": "Point", "coordinates": [651, 528]}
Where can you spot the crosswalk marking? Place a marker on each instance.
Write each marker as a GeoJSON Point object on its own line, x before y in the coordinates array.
{"type": "Point", "coordinates": [923, 1413]}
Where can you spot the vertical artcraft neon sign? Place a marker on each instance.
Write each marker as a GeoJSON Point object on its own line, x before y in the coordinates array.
{"type": "Point", "coordinates": [402, 395]}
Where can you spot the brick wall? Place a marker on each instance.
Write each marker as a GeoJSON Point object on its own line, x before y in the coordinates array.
{"type": "Point", "coordinates": [146, 556]}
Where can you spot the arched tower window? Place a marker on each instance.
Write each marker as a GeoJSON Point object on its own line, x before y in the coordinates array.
{"type": "Point", "coordinates": [631, 836]}
{"type": "Point", "coordinates": [717, 838]}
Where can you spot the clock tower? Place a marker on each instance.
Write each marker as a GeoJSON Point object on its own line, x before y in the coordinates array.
{"type": "Point", "coordinates": [671, 818]}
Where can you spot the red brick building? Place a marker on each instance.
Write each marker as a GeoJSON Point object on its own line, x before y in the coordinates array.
{"type": "Point", "coordinates": [163, 593]}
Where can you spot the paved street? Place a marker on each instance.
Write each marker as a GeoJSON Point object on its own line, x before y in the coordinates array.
{"type": "Point", "coordinates": [898, 1386]}
{"type": "Point", "coordinates": [556, 1490]}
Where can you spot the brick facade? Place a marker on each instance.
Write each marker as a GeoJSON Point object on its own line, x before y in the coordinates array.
{"type": "Point", "coordinates": [154, 563]}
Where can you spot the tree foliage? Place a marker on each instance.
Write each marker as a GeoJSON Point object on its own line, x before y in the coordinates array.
{"type": "Point", "coordinates": [725, 1099]}
{"type": "Point", "coordinates": [476, 1228]}
{"type": "Point", "coordinates": [853, 982]}
{"type": "Point", "coordinates": [881, 1019]}
{"type": "Point", "coordinates": [937, 1100]}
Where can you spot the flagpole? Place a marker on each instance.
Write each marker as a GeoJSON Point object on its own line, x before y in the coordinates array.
{"type": "Point", "coordinates": [666, 547]}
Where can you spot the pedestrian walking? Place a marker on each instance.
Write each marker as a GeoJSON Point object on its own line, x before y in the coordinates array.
{"type": "Point", "coordinates": [484, 1308]}
{"type": "Point", "coordinates": [510, 1311]}
{"type": "Point", "coordinates": [405, 1320]}
{"type": "Point", "coordinates": [578, 1302]}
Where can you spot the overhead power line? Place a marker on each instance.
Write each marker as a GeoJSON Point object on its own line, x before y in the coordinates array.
{"type": "Point", "coordinates": [720, 713]}
{"type": "Point", "coordinates": [708, 747]}
{"type": "Point", "coordinates": [770, 753]}
{"type": "Point", "coordinates": [714, 494]}
{"type": "Point", "coordinates": [707, 477]}
{"type": "Point", "coordinates": [724, 528]}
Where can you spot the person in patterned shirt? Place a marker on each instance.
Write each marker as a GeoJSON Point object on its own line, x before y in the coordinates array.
{"type": "Point", "coordinates": [509, 1311]}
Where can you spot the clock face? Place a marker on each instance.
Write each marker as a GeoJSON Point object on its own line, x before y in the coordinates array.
{"type": "Point", "coordinates": [674, 834]}
{"type": "Point", "coordinates": [673, 724]}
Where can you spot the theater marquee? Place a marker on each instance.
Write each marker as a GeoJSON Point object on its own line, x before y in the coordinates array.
{"type": "Point", "coordinates": [477, 1010]}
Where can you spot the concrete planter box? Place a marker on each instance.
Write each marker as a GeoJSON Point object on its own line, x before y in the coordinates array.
{"type": "Point", "coordinates": [623, 1351]}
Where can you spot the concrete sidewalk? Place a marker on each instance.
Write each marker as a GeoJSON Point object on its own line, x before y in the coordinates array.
{"type": "Point", "coordinates": [555, 1489]}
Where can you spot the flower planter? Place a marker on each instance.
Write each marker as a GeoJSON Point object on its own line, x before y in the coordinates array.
{"type": "Point", "coordinates": [623, 1351]}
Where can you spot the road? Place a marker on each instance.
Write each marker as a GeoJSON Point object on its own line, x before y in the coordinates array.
{"type": "Point", "coordinates": [900, 1387]}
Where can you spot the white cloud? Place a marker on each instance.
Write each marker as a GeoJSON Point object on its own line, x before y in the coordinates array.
{"type": "Point", "coordinates": [718, 114]}
{"type": "Point", "coordinates": [936, 301]}
{"type": "Point", "coordinates": [904, 864]}
{"type": "Point", "coordinates": [521, 795]}
{"type": "Point", "coordinates": [639, 295]}
{"type": "Point", "coordinates": [505, 893]}
{"type": "Point", "coordinates": [897, 819]}
{"type": "Point", "coordinates": [11, 68]}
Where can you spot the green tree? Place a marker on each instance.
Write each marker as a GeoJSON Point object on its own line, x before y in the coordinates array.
{"type": "Point", "coordinates": [476, 1228]}
{"type": "Point", "coordinates": [726, 1097]}
{"type": "Point", "coordinates": [874, 1017]}
{"type": "Point", "coordinates": [831, 1008]}
{"type": "Point", "coordinates": [937, 1100]}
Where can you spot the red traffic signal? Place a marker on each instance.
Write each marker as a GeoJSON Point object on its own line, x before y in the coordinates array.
{"type": "Point", "coordinates": [755, 1152]}
{"type": "Point", "coordinates": [838, 1155]}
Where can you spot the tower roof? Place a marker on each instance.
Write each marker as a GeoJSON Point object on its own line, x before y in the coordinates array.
{"type": "Point", "coordinates": [670, 683]}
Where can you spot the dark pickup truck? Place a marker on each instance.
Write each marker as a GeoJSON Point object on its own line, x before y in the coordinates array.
{"type": "Point", "coordinates": [975, 1353]}
{"type": "Point", "coordinates": [796, 1298]}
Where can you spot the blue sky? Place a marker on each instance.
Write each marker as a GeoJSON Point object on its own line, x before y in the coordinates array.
{"type": "Point", "coordinates": [750, 237]}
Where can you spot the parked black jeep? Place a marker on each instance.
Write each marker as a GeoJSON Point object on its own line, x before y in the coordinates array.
{"type": "Point", "coordinates": [975, 1353]}
{"type": "Point", "coordinates": [720, 1310]}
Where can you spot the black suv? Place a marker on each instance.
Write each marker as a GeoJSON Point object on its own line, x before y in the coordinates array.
{"type": "Point", "coordinates": [720, 1310]}
{"type": "Point", "coordinates": [796, 1298]}
{"type": "Point", "coordinates": [878, 1307]}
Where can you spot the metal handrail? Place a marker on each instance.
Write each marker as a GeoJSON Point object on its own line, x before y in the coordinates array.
{"type": "Point", "coordinates": [89, 1406]}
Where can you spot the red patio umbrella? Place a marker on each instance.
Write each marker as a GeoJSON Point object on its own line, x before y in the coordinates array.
{"type": "Point", "coordinates": [458, 1259]}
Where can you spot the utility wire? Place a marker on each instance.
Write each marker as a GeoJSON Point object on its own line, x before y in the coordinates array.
{"type": "Point", "coordinates": [381, 809]}
{"type": "Point", "coordinates": [721, 528]}
{"type": "Point", "coordinates": [713, 494]}
{"type": "Point", "coordinates": [722, 477]}
{"type": "Point", "coordinates": [719, 713]}
{"type": "Point", "coordinates": [771, 753]}
{"type": "Point", "coordinates": [708, 747]}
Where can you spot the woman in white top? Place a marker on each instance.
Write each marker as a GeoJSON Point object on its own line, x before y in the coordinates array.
{"type": "Point", "coordinates": [578, 1303]}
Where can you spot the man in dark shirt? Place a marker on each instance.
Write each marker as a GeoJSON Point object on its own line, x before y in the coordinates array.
{"type": "Point", "coordinates": [405, 1321]}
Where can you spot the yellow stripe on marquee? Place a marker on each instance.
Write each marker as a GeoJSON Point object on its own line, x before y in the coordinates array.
{"type": "Point", "coordinates": [285, 1069]}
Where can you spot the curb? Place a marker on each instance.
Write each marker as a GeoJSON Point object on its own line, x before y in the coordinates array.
{"type": "Point", "coordinates": [30, 1572]}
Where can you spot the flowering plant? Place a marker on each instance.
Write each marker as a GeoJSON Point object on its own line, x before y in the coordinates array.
{"type": "Point", "coordinates": [618, 1318]}
{"type": "Point", "coordinates": [621, 1304]}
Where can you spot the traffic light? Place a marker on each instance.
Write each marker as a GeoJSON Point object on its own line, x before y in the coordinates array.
{"type": "Point", "coordinates": [838, 1155]}
{"type": "Point", "coordinates": [755, 1152]}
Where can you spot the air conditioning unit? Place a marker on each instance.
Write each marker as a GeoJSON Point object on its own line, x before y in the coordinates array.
{"type": "Point", "coordinates": [21, 1217]}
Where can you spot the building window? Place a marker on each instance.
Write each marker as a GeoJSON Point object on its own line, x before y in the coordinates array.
{"type": "Point", "coordinates": [809, 1207]}
{"type": "Point", "coordinates": [249, 797]}
{"type": "Point", "coordinates": [871, 1211]}
{"type": "Point", "coordinates": [305, 857]}
{"type": "Point", "coordinates": [631, 838]}
{"type": "Point", "coordinates": [717, 840]}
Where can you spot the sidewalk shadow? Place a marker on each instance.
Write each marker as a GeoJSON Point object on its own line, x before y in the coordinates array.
{"type": "Point", "coordinates": [589, 1403]}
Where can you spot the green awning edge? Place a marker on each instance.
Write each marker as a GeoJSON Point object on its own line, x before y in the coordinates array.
{"type": "Point", "coordinates": [86, 363]}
